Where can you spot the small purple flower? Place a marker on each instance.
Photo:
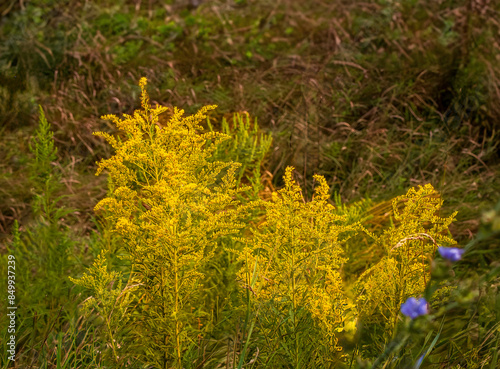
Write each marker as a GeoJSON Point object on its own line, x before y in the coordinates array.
{"type": "Point", "coordinates": [451, 253]}
{"type": "Point", "coordinates": [413, 307]}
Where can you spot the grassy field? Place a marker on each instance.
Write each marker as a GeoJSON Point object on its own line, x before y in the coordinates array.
{"type": "Point", "coordinates": [376, 96]}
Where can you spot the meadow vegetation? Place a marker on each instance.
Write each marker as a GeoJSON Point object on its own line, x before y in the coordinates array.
{"type": "Point", "coordinates": [356, 225]}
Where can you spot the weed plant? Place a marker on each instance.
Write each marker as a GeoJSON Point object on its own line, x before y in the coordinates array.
{"type": "Point", "coordinates": [49, 329]}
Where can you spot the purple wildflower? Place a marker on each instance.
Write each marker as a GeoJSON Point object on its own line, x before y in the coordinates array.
{"type": "Point", "coordinates": [451, 253]}
{"type": "Point", "coordinates": [413, 307]}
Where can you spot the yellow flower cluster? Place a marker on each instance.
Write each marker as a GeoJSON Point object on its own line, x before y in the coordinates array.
{"type": "Point", "coordinates": [297, 255]}
{"type": "Point", "coordinates": [169, 207]}
{"type": "Point", "coordinates": [408, 245]}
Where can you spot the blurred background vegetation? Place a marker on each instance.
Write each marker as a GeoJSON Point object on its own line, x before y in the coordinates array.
{"type": "Point", "coordinates": [376, 95]}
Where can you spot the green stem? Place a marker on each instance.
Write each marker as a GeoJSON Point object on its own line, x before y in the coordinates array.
{"type": "Point", "coordinates": [115, 355]}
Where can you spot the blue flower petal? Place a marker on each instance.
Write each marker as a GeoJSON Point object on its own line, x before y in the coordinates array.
{"type": "Point", "coordinates": [414, 308]}
{"type": "Point", "coordinates": [422, 307]}
{"type": "Point", "coordinates": [451, 253]}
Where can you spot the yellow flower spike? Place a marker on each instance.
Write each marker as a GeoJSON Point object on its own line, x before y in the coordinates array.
{"type": "Point", "coordinates": [144, 95]}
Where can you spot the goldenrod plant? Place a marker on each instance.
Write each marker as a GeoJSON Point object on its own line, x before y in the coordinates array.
{"type": "Point", "coordinates": [408, 247]}
{"type": "Point", "coordinates": [432, 329]}
{"type": "Point", "coordinates": [169, 208]}
{"type": "Point", "coordinates": [109, 303]}
{"type": "Point", "coordinates": [293, 271]}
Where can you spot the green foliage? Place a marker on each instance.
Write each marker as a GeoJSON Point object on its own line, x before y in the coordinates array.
{"type": "Point", "coordinates": [245, 148]}
{"type": "Point", "coordinates": [32, 51]}
{"type": "Point", "coordinates": [44, 150]}
{"type": "Point", "coordinates": [127, 51]}
{"type": "Point", "coordinates": [45, 178]}
{"type": "Point", "coordinates": [46, 252]}
{"type": "Point", "coordinates": [113, 24]}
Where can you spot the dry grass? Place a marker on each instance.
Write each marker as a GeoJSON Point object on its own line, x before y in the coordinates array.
{"type": "Point", "coordinates": [376, 104]}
